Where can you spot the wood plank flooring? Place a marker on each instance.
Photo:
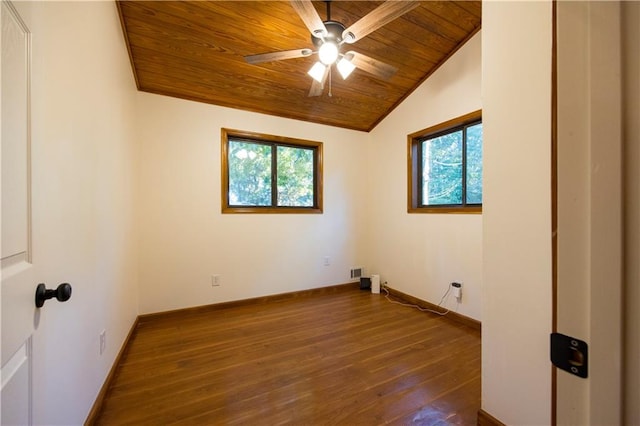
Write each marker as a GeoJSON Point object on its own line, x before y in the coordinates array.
{"type": "Point", "coordinates": [347, 357]}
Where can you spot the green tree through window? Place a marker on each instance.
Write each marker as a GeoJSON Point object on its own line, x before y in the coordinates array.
{"type": "Point", "coordinates": [474, 164]}
{"type": "Point", "coordinates": [266, 174]}
{"type": "Point", "coordinates": [445, 167]}
{"type": "Point", "coordinates": [442, 169]}
{"type": "Point", "coordinates": [249, 174]}
{"type": "Point", "coordinates": [295, 176]}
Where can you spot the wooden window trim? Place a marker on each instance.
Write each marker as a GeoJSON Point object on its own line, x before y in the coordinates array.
{"type": "Point", "coordinates": [280, 140]}
{"type": "Point", "coordinates": [412, 166]}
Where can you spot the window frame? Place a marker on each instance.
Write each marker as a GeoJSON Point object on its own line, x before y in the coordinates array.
{"type": "Point", "coordinates": [414, 187]}
{"type": "Point", "coordinates": [273, 141]}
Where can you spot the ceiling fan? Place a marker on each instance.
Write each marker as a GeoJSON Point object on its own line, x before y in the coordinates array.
{"type": "Point", "coordinates": [329, 38]}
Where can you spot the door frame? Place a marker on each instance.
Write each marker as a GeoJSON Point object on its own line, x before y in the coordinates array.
{"type": "Point", "coordinates": [586, 49]}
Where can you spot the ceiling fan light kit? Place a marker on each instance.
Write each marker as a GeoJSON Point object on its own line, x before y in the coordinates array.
{"type": "Point", "coordinates": [345, 67]}
{"type": "Point", "coordinates": [329, 36]}
{"type": "Point", "coordinates": [317, 72]}
{"type": "Point", "coordinates": [328, 53]}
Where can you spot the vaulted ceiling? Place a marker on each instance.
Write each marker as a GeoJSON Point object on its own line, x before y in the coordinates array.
{"type": "Point", "coordinates": [195, 50]}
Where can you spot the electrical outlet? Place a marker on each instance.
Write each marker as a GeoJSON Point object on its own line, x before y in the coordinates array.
{"type": "Point", "coordinates": [457, 290]}
{"type": "Point", "coordinates": [327, 261]}
{"type": "Point", "coordinates": [103, 341]}
{"type": "Point", "coordinates": [215, 280]}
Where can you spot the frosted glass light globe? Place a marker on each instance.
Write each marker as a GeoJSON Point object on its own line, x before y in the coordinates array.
{"type": "Point", "coordinates": [345, 67]}
{"type": "Point", "coordinates": [328, 53]}
{"type": "Point", "coordinates": [317, 72]}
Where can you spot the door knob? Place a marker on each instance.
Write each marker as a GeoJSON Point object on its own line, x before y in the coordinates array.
{"type": "Point", "coordinates": [62, 293]}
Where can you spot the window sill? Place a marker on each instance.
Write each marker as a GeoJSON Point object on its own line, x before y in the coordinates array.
{"type": "Point", "coordinates": [271, 210]}
{"type": "Point", "coordinates": [446, 210]}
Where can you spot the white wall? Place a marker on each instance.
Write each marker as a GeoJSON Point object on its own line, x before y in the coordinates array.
{"type": "Point", "coordinates": [83, 198]}
{"type": "Point", "coordinates": [421, 254]}
{"type": "Point", "coordinates": [516, 311]}
{"type": "Point", "coordinates": [184, 237]}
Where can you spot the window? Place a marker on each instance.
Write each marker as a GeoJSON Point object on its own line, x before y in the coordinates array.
{"type": "Point", "coordinates": [445, 167]}
{"type": "Point", "coordinates": [270, 174]}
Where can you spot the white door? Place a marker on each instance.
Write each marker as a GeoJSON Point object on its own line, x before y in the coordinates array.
{"type": "Point", "coordinates": [590, 228]}
{"type": "Point", "coordinates": [19, 315]}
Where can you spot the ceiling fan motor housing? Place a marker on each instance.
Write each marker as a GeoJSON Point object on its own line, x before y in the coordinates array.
{"type": "Point", "coordinates": [334, 33]}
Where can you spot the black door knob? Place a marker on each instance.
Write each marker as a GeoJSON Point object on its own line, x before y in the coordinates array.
{"type": "Point", "coordinates": [62, 293]}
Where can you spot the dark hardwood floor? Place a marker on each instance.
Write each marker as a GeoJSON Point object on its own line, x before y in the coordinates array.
{"type": "Point", "coordinates": [346, 357]}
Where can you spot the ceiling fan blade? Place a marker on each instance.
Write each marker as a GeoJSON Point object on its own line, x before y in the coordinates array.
{"type": "Point", "coordinates": [318, 87]}
{"type": "Point", "coordinates": [277, 56]}
{"type": "Point", "coordinates": [310, 17]}
{"type": "Point", "coordinates": [370, 65]}
{"type": "Point", "coordinates": [380, 16]}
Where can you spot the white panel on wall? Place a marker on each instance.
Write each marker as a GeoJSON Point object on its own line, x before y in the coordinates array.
{"type": "Point", "coordinates": [516, 310]}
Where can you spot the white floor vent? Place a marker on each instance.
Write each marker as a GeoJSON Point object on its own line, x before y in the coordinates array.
{"type": "Point", "coordinates": [356, 273]}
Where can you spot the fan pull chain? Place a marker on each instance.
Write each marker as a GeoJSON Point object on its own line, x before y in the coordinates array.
{"type": "Point", "coordinates": [330, 95]}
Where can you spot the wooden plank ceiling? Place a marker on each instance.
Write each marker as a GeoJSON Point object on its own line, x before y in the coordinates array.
{"type": "Point", "coordinates": [195, 50]}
